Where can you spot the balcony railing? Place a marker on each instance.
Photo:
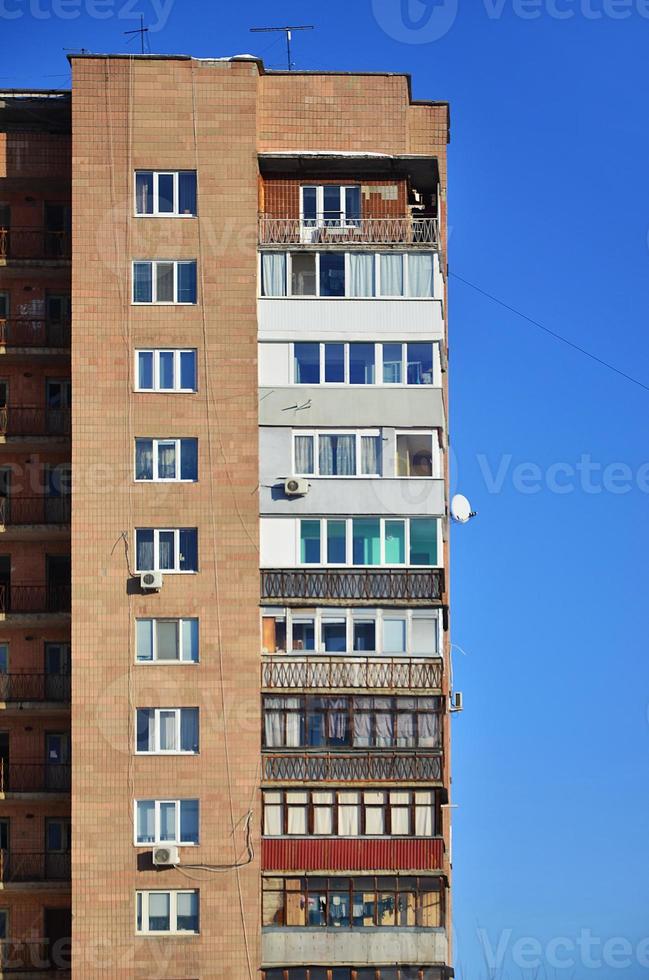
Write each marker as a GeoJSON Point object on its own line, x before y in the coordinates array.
{"type": "Point", "coordinates": [34, 777]}
{"type": "Point", "coordinates": [341, 585]}
{"type": "Point", "coordinates": [35, 510]}
{"type": "Point", "coordinates": [357, 673]}
{"type": "Point", "coordinates": [26, 866]}
{"type": "Point", "coordinates": [33, 956]}
{"type": "Point", "coordinates": [19, 420]}
{"type": "Point", "coordinates": [348, 233]}
{"type": "Point", "coordinates": [357, 767]}
{"type": "Point", "coordinates": [53, 598]}
{"type": "Point", "coordinates": [34, 243]}
{"type": "Point", "coordinates": [23, 331]}
{"type": "Point", "coordinates": [35, 687]}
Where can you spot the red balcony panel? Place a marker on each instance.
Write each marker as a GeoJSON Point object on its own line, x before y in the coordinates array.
{"type": "Point", "coordinates": [358, 854]}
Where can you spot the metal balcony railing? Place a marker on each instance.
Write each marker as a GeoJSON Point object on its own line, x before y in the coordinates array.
{"type": "Point", "coordinates": [34, 777]}
{"type": "Point", "coordinates": [349, 232]}
{"type": "Point", "coordinates": [35, 510]}
{"type": "Point", "coordinates": [26, 866]}
{"type": "Point", "coordinates": [53, 598]}
{"type": "Point", "coordinates": [353, 585]}
{"type": "Point", "coordinates": [20, 420]}
{"type": "Point", "coordinates": [32, 956]}
{"type": "Point", "coordinates": [21, 331]}
{"type": "Point", "coordinates": [35, 687]}
{"type": "Point", "coordinates": [357, 767]}
{"type": "Point", "coordinates": [357, 673]}
{"type": "Point", "coordinates": [34, 243]}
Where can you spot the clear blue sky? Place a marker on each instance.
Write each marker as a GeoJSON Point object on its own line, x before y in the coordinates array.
{"type": "Point", "coordinates": [549, 208]}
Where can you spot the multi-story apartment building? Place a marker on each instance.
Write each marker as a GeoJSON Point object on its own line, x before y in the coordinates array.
{"type": "Point", "coordinates": [260, 653]}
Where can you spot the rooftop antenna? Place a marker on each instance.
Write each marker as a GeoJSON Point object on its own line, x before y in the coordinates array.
{"type": "Point", "coordinates": [141, 30]}
{"type": "Point", "coordinates": [289, 36]}
{"type": "Point", "coordinates": [78, 50]}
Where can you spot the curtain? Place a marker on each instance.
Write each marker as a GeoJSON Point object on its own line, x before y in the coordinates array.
{"type": "Point", "coordinates": [146, 822]}
{"type": "Point", "coordinates": [273, 723]}
{"type": "Point", "coordinates": [394, 635]}
{"type": "Point", "coordinates": [424, 820]}
{"type": "Point", "coordinates": [370, 448]}
{"type": "Point", "coordinates": [361, 274]}
{"type": "Point", "coordinates": [144, 639]}
{"type": "Point", "coordinates": [145, 730]}
{"type": "Point", "coordinates": [384, 729]}
{"type": "Point", "coordinates": [167, 821]}
{"type": "Point", "coordinates": [391, 275]}
{"type": "Point", "coordinates": [144, 549]}
{"type": "Point", "coordinates": [424, 636]}
{"type": "Point", "coordinates": [167, 729]}
{"type": "Point", "coordinates": [166, 461]}
{"type": "Point", "coordinates": [189, 729]}
{"type": "Point", "coordinates": [166, 549]}
{"type": "Point", "coordinates": [406, 729]}
{"type": "Point", "coordinates": [362, 727]}
{"type": "Point", "coordinates": [429, 730]}
{"type": "Point", "coordinates": [337, 455]}
{"type": "Point", "coordinates": [304, 455]}
{"type": "Point", "coordinates": [144, 459]}
{"type": "Point", "coordinates": [420, 274]}
{"type": "Point", "coordinates": [374, 820]}
{"type": "Point", "coordinates": [337, 719]}
{"type": "Point", "coordinates": [322, 813]}
{"type": "Point", "coordinates": [400, 813]}
{"type": "Point", "coordinates": [293, 718]}
{"type": "Point", "coordinates": [159, 911]}
{"type": "Point", "coordinates": [273, 819]}
{"type": "Point", "coordinates": [273, 268]}
{"type": "Point", "coordinates": [297, 819]}
{"type": "Point", "coordinates": [348, 815]}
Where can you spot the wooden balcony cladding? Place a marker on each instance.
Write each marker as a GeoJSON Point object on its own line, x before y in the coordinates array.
{"type": "Point", "coordinates": [403, 232]}
{"type": "Point", "coordinates": [34, 332]}
{"type": "Point", "coordinates": [349, 586]}
{"type": "Point", "coordinates": [360, 767]}
{"type": "Point", "coordinates": [34, 777]}
{"type": "Point", "coordinates": [352, 854]}
{"type": "Point", "coordinates": [35, 598]}
{"type": "Point", "coordinates": [19, 511]}
{"type": "Point", "coordinates": [358, 673]}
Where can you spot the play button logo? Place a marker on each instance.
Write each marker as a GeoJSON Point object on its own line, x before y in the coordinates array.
{"type": "Point", "coordinates": [415, 21]}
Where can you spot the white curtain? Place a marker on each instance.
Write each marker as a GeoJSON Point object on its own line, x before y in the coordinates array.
{"type": "Point", "coordinates": [374, 820]}
{"type": "Point", "coordinates": [297, 819]}
{"type": "Point", "coordinates": [424, 820]}
{"type": "Point", "coordinates": [391, 275]}
{"type": "Point", "coordinates": [337, 455]}
{"type": "Point", "coordinates": [144, 548]}
{"type": "Point", "coordinates": [420, 274]}
{"type": "Point", "coordinates": [362, 721]}
{"type": "Point", "coordinates": [370, 447]}
{"type": "Point", "coordinates": [146, 822]}
{"type": "Point", "coordinates": [167, 461]}
{"type": "Point", "coordinates": [167, 726]}
{"type": "Point", "coordinates": [166, 541]}
{"type": "Point", "coordinates": [293, 722]}
{"type": "Point", "coordinates": [384, 729]}
{"type": "Point", "coordinates": [322, 819]}
{"type": "Point", "coordinates": [337, 718]}
{"type": "Point", "coordinates": [304, 455]}
{"type": "Point", "coordinates": [272, 814]}
{"type": "Point", "coordinates": [273, 723]}
{"type": "Point", "coordinates": [394, 635]}
{"type": "Point", "coordinates": [361, 274]}
{"type": "Point", "coordinates": [273, 270]}
{"type": "Point", "coordinates": [348, 815]}
{"type": "Point", "coordinates": [429, 730]}
{"type": "Point", "coordinates": [406, 729]}
{"type": "Point", "coordinates": [144, 459]}
{"type": "Point", "coordinates": [400, 813]}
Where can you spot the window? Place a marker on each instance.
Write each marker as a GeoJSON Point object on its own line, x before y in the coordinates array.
{"type": "Point", "coordinates": [357, 902]}
{"type": "Point", "coordinates": [166, 822]}
{"type": "Point", "coordinates": [417, 454]}
{"type": "Point", "coordinates": [355, 722]}
{"type": "Point", "coordinates": [166, 911]}
{"type": "Point", "coordinates": [4, 658]}
{"type": "Point", "coordinates": [165, 460]}
{"type": "Point", "coordinates": [330, 206]}
{"type": "Point", "coordinates": [337, 453]}
{"type": "Point", "coordinates": [370, 631]}
{"type": "Point", "coordinates": [4, 305]}
{"type": "Point", "coordinates": [358, 813]}
{"type": "Point", "coordinates": [166, 640]}
{"type": "Point", "coordinates": [369, 541]}
{"type": "Point", "coordinates": [356, 275]}
{"type": "Point", "coordinates": [166, 550]}
{"type": "Point", "coordinates": [364, 364]}
{"type": "Point", "coordinates": [166, 730]}
{"type": "Point", "coordinates": [170, 193]}
{"type": "Point", "coordinates": [164, 281]}
{"type": "Point", "coordinates": [165, 370]}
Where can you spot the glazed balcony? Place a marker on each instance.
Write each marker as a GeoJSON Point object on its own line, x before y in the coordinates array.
{"type": "Point", "coordinates": [361, 767]}
{"type": "Point", "coordinates": [17, 866]}
{"type": "Point", "coordinates": [32, 332]}
{"type": "Point", "coordinates": [352, 854]}
{"type": "Point", "coordinates": [15, 688]}
{"type": "Point", "coordinates": [25, 422]}
{"type": "Point", "coordinates": [353, 673]}
{"type": "Point", "coordinates": [27, 599]}
{"type": "Point", "coordinates": [20, 511]}
{"type": "Point", "coordinates": [332, 231]}
{"type": "Point", "coordinates": [34, 777]}
{"type": "Point", "coordinates": [34, 244]}
{"type": "Point", "coordinates": [348, 587]}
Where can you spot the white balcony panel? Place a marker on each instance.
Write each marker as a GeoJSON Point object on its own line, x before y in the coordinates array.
{"type": "Point", "coordinates": [408, 498]}
{"type": "Point", "coordinates": [293, 947]}
{"type": "Point", "coordinates": [311, 318]}
{"type": "Point", "coordinates": [319, 406]}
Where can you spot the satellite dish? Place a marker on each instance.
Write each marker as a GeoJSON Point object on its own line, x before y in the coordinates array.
{"type": "Point", "coordinates": [461, 509]}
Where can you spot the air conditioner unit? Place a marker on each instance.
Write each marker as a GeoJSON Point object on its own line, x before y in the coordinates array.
{"type": "Point", "coordinates": [457, 701]}
{"type": "Point", "coordinates": [165, 856]}
{"type": "Point", "coordinates": [296, 486]}
{"type": "Point", "coordinates": [151, 581]}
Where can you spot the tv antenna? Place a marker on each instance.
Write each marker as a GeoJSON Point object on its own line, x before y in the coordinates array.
{"type": "Point", "coordinates": [141, 30]}
{"type": "Point", "coordinates": [289, 36]}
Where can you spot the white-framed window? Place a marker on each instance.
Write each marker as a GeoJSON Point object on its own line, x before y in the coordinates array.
{"type": "Point", "coordinates": [330, 205]}
{"type": "Point", "coordinates": [164, 281]}
{"type": "Point", "coordinates": [369, 541]}
{"type": "Point", "coordinates": [166, 731]}
{"type": "Point", "coordinates": [165, 193]}
{"type": "Point", "coordinates": [160, 912]}
{"type": "Point", "coordinates": [166, 822]}
{"type": "Point", "coordinates": [170, 369]}
{"type": "Point", "coordinates": [166, 460]}
{"type": "Point", "coordinates": [166, 641]}
{"type": "Point", "coordinates": [418, 454]}
{"type": "Point", "coordinates": [172, 549]}
{"type": "Point", "coordinates": [342, 454]}
{"type": "Point", "coordinates": [361, 363]}
{"type": "Point", "coordinates": [360, 632]}
{"type": "Point", "coordinates": [351, 813]}
{"type": "Point", "coordinates": [348, 275]}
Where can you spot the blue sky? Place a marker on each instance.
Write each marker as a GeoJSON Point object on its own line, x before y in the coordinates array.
{"type": "Point", "coordinates": [549, 211]}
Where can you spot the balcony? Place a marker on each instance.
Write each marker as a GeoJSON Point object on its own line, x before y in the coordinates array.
{"type": "Point", "coordinates": [352, 854]}
{"type": "Point", "coordinates": [356, 673]}
{"type": "Point", "coordinates": [33, 956]}
{"type": "Point", "coordinates": [282, 947]}
{"type": "Point", "coordinates": [26, 599]}
{"type": "Point", "coordinates": [35, 687]}
{"type": "Point", "coordinates": [34, 777]}
{"type": "Point", "coordinates": [342, 587]}
{"type": "Point", "coordinates": [381, 766]}
{"type": "Point", "coordinates": [34, 244]}
{"type": "Point", "coordinates": [16, 332]}
{"type": "Point", "coordinates": [35, 510]}
{"type": "Point", "coordinates": [404, 232]}
{"type": "Point", "coordinates": [16, 866]}
{"type": "Point", "coordinates": [24, 422]}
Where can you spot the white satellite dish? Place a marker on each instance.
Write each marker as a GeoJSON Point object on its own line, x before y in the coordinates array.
{"type": "Point", "coordinates": [461, 509]}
